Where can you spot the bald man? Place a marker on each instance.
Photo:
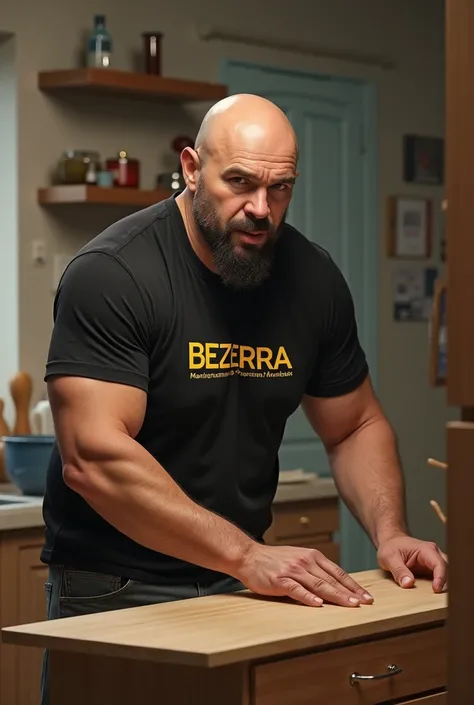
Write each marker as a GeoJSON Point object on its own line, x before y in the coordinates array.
{"type": "Point", "coordinates": [185, 335]}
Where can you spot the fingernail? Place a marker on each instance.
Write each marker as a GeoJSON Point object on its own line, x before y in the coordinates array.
{"type": "Point", "coordinates": [367, 596]}
{"type": "Point", "coordinates": [318, 600]}
{"type": "Point", "coordinates": [354, 600]}
{"type": "Point", "coordinates": [406, 580]}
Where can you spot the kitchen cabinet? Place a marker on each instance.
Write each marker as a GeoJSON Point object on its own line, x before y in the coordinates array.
{"type": "Point", "coordinates": [460, 335]}
{"type": "Point", "coordinates": [240, 649]}
{"type": "Point", "coordinates": [22, 600]}
{"type": "Point", "coordinates": [311, 523]}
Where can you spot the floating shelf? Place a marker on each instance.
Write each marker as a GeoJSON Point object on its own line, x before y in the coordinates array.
{"type": "Point", "coordinates": [118, 196]}
{"type": "Point", "coordinates": [127, 83]}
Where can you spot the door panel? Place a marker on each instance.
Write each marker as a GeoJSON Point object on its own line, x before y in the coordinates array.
{"type": "Point", "coordinates": [333, 205]}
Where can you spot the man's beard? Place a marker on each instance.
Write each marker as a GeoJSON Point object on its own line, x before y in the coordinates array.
{"type": "Point", "coordinates": [244, 268]}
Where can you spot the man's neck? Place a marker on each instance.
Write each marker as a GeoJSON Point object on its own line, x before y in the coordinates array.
{"type": "Point", "coordinates": [202, 250]}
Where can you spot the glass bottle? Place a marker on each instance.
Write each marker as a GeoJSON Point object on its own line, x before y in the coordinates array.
{"type": "Point", "coordinates": [99, 45]}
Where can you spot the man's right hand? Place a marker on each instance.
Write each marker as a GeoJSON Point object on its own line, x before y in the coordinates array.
{"type": "Point", "coordinates": [304, 574]}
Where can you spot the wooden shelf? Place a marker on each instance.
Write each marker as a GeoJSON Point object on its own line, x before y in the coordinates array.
{"type": "Point", "coordinates": [129, 84]}
{"type": "Point", "coordinates": [118, 196]}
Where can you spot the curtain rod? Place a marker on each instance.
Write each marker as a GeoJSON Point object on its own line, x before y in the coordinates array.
{"type": "Point", "coordinates": [210, 32]}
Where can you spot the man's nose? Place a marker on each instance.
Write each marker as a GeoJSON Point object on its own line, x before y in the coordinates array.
{"type": "Point", "coordinates": [257, 205]}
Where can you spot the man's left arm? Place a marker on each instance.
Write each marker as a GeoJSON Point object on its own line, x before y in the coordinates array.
{"type": "Point", "coordinates": [343, 410]}
{"type": "Point", "coordinates": [362, 450]}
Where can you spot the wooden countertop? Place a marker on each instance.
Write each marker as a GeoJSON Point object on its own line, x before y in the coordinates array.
{"type": "Point", "coordinates": [24, 515]}
{"type": "Point", "coordinates": [314, 488]}
{"type": "Point", "coordinates": [224, 629]}
{"type": "Point", "coordinates": [30, 515]}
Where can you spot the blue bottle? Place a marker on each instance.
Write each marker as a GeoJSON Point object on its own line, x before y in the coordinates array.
{"type": "Point", "coordinates": [99, 45]}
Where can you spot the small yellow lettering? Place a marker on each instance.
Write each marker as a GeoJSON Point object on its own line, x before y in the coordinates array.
{"type": "Point", "coordinates": [225, 356]}
{"type": "Point", "coordinates": [210, 355]}
{"type": "Point", "coordinates": [233, 357]}
{"type": "Point", "coordinates": [196, 356]}
{"type": "Point", "coordinates": [282, 359]}
{"type": "Point", "coordinates": [264, 356]}
{"type": "Point", "coordinates": [247, 355]}
{"type": "Point", "coordinates": [223, 364]}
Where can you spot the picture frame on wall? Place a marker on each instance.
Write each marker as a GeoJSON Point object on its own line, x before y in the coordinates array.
{"type": "Point", "coordinates": [423, 160]}
{"type": "Point", "coordinates": [409, 227]}
{"type": "Point", "coordinates": [438, 335]}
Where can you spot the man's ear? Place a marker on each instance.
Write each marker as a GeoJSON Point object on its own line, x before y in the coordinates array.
{"type": "Point", "coordinates": [191, 165]}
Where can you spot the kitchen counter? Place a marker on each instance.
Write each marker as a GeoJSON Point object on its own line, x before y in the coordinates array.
{"type": "Point", "coordinates": [28, 514]}
{"type": "Point", "coordinates": [314, 488]}
{"type": "Point", "coordinates": [24, 513]}
{"type": "Point", "coordinates": [240, 644]}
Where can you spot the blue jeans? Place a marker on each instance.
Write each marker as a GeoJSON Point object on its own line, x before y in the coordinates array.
{"type": "Point", "coordinates": [71, 592]}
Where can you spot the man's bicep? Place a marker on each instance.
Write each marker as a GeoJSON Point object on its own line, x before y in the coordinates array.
{"type": "Point", "coordinates": [335, 418]}
{"type": "Point", "coordinates": [87, 412]}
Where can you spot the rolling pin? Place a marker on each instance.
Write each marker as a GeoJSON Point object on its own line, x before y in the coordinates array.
{"type": "Point", "coordinates": [4, 431]}
{"type": "Point", "coordinates": [21, 387]}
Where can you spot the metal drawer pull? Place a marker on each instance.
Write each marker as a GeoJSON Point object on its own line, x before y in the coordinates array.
{"type": "Point", "coordinates": [392, 670]}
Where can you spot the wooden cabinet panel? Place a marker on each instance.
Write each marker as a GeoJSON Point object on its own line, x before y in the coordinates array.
{"type": "Point", "coordinates": [310, 524]}
{"type": "Point", "coordinates": [22, 600]}
{"type": "Point", "coordinates": [305, 519]}
{"type": "Point", "coordinates": [325, 677]}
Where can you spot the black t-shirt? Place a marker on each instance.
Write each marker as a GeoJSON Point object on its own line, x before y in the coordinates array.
{"type": "Point", "coordinates": [223, 371]}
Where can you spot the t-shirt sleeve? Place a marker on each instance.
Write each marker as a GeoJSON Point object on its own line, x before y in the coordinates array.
{"type": "Point", "coordinates": [101, 327]}
{"type": "Point", "coordinates": [341, 364]}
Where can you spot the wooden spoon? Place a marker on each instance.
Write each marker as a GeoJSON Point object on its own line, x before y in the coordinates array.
{"type": "Point", "coordinates": [21, 387]}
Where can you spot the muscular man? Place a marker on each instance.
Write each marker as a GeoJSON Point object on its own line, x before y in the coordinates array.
{"type": "Point", "coordinates": [185, 335]}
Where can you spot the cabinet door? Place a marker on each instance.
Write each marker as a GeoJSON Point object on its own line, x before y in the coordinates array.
{"type": "Point", "coordinates": [22, 600]}
{"type": "Point", "coordinates": [310, 523]}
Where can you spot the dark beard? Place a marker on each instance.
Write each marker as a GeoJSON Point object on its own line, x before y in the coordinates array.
{"type": "Point", "coordinates": [240, 270]}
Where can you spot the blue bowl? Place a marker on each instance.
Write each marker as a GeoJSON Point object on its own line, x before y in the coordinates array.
{"type": "Point", "coordinates": [27, 460]}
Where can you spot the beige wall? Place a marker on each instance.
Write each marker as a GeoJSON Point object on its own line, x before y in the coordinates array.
{"type": "Point", "coordinates": [411, 99]}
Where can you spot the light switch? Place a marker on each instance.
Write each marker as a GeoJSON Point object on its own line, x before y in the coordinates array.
{"type": "Point", "coordinates": [38, 251]}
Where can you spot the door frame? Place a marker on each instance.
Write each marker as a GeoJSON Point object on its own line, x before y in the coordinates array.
{"type": "Point", "coordinates": [354, 541]}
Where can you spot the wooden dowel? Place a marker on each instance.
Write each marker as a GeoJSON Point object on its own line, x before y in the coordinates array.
{"type": "Point", "coordinates": [438, 511]}
{"type": "Point", "coordinates": [437, 463]}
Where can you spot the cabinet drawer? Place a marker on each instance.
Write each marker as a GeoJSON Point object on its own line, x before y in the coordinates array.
{"type": "Point", "coordinates": [324, 677]}
{"type": "Point", "coordinates": [304, 519]}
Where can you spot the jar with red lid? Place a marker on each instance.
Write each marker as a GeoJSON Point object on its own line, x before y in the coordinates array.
{"type": "Point", "coordinates": [126, 171]}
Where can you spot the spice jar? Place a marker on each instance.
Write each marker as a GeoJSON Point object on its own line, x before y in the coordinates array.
{"type": "Point", "coordinates": [75, 166]}
{"type": "Point", "coordinates": [126, 171]}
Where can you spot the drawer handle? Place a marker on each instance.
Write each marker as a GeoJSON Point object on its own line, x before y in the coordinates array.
{"type": "Point", "coordinates": [392, 670]}
{"type": "Point", "coordinates": [304, 521]}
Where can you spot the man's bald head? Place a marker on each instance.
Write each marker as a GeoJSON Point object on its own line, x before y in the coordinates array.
{"type": "Point", "coordinates": [239, 180]}
{"type": "Point", "coordinates": [248, 122]}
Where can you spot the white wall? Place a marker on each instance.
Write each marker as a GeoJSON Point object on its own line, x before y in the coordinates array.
{"type": "Point", "coordinates": [10, 339]}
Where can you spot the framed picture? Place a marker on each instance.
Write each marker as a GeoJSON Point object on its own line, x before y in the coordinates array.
{"type": "Point", "coordinates": [409, 227]}
{"type": "Point", "coordinates": [438, 335]}
{"type": "Point", "coordinates": [423, 159]}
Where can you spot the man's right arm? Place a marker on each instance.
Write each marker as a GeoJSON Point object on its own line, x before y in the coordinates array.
{"type": "Point", "coordinates": [96, 423]}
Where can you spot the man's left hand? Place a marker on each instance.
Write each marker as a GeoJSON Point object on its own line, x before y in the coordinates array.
{"type": "Point", "coordinates": [406, 557]}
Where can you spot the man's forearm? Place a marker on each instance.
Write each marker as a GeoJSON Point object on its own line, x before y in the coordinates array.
{"type": "Point", "coordinates": [131, 490]}
{"type": "Point", "coordinates": [367, 472]}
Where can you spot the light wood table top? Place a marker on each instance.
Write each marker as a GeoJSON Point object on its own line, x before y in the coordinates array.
{"type": "Point", "coordinates": [224, 629]}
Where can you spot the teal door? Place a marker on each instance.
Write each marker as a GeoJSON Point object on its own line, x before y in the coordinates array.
{"type": "Point", "coordinates": [334, 204]}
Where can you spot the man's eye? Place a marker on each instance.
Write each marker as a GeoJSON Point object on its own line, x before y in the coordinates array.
{"type": "Point", "coordinates": [238, 180]}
